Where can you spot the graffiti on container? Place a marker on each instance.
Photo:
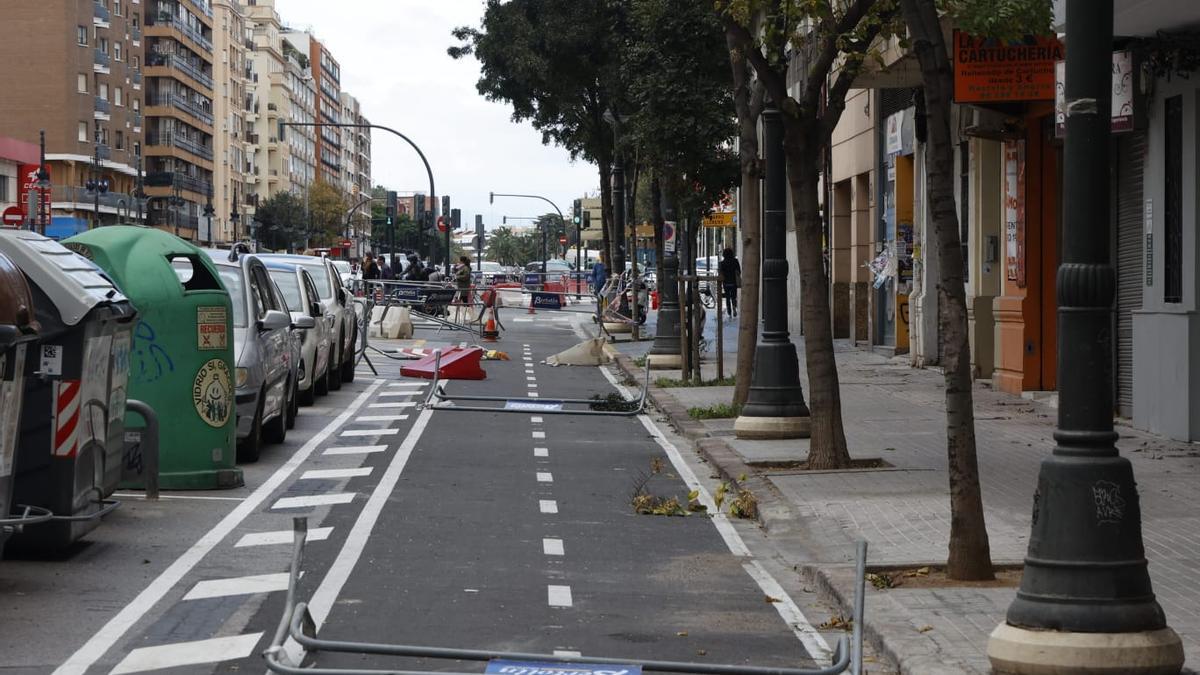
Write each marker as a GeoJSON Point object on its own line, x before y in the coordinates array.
{"type": "Point", "coordinates": [133, 455]}
{"type": "Point", "coordinates": [149, 359]}
{"type": "Point", "coordinates": [1110, 505]}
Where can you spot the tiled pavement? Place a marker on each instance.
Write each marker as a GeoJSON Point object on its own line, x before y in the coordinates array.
{"type": "Point", "coordinates": [894, 412]}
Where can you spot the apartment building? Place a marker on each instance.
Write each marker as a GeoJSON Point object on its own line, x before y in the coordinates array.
{"type": "Point", "coordinates": [356, 171]}
{"type": "Point", "coordinates": [80, 81]}
{"type": "Point", "coordinates": [179, 113]}
{"type": "Point", "coordinates": [326, 76]}
{"type": "Point", "coordinates": [234, 76]}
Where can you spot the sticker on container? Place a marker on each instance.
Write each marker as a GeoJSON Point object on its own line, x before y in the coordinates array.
{"type": "Point", "coordinates": [211, 330]}
{"type": "Point", "coordinates": [212, 393]}
{"type": "Point", "coordinates": [51, 360]}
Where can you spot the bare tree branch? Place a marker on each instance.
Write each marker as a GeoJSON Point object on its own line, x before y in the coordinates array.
{"type": "Point", "coordinates": [832, 29]}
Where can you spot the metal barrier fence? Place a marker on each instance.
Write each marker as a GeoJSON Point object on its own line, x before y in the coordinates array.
{"type": "Point", "coordinates": [297, 623]}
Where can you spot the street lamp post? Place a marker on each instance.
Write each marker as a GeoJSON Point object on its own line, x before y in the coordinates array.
{"type": "Point", "coordinates": [775, 406]}
{"type": "Point", "coordinates": [664, 352]}
{"type": "Point", "coordinates": [96, 185]}
{"type": "Point", "coordinates": [235, 218]}
{"type": "Point", "coordinates": [138, 193]}
{"type": "Point", "coordinates": [1086, 603]}
{"type": "Point", "coordinates": [492, 200]}
{"type": "Point", "coordinates": [208, 217]}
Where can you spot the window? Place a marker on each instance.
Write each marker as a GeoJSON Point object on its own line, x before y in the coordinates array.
{"type": "Point", "coordinates": [116, 10]}
{"type": "Point", "coordinates": [1173, 200]}
{"type": "Point", "coordinates": [81, 84]}
{"type": "Point", "coordinates": [116, 51]}
{"type": "Point", "coordinates": [83, 132]}
{"type": "Point", "coordinates": [137, 149]}
{"type": "Point", "coordinates": [103, 91]}
{"type": "Point", "coordinates": [137, 105]}
{"type": "Point", "coordinates": [102, 44]}
{"type": "Point", "coordinates": [3, 188]}
{"type": "Point", "coordinates": [120, 140]}
{"type": "Point", "coordinates": [118, 96]}
{"type": "Point", "coordinates": [81, 36]}
{"type": "Point", "coordinates": [133, 20]}
{"type": "Point", "coordinates": [135, 61]}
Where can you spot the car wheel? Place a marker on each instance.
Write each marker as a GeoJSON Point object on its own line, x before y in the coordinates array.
{"type": "Point", "coordinates": [321, 382]}
{"type": "Point", "coordinates": [308, 396]}
{"type": "Point", "coordinates": [249, 448]}
{"type": "Point", "coordinates": [293, 408]}
{"type": "Point", "coordinates": [348, 364]}
{"type": "Point", "coordinates": [275, 431]}
{"type": "Point", "coordinates": [335, 374]}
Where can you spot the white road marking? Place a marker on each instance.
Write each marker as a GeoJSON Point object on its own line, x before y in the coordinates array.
{"type": "Point", "coordinates": [545, 477]}
{"type": "Point", "coordinates": [530, 378]}
{"type": "Point", "coordinates": [339, 572]}
{"type": "Point", "coordinates": [317, 474]}
{"type": "Point", "coordinates": [354, 449]}
{"type": "Point", "coordinates": [305, 501]}
{"type": "Point", "coordinates": [396, 393]}
{"type": "Point", "coordinates": [395, 404]}
{"type": "Point", "coordinates": [532, 394]}
{"type": "Point", "coordinates": [552, 547]}
{"type": "Point", "coordinates": [397, 385]}
{"type": "Point", "coordinates": [814, 643]}
{"type": "Point", "coordinates": [276, 537]}
{"type": "Point", "coordinates": [195, 653]}
{"type": "Point", "coordinates": [529, 371]}
{"type": "Point", "coordinates": [531, 385]}
{"type": "Point", "coordinates": [541, 452]}
{"type": "Point", "coordinates": [547, 506]}
{"type": "Point", "coordinates": [539, 434]}
{"type": "Point", "coordinates": [220, 588]}
{"type": "Point", "coordinates": [567, 652]}
{"type": "Point", "coordinates": [558, 596]}
{"type": "Point", "coordinates": [351, 433]}
{"type": "Point", "coordinates": [130, 614]}
{"type": "Point", "coordinates": [200, 498]}
{"type": "Point", "coordinates": [535, 420]}
{"type": "Point", "coordinates": [381, 418]}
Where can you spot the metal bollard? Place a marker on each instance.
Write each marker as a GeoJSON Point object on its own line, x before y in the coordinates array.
{"type": "Point", "coordinates": [149, 445]}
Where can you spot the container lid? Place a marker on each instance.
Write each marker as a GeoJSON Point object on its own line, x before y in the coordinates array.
{"type": "Point", "coordinates": [16, 305]}
{"type": "Point", "coordinates": [73, 283]}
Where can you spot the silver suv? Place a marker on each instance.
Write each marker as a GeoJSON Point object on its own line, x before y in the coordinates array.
{"type": "Point", "coordinates": [339, 313]}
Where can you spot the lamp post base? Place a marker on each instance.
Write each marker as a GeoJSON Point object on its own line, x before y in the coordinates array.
{"type": "Point", "coordinates": [664, 361]}
{"type": "Point", "coordinates": [771, 428]}
{"type": "Point", "coordinates": [1019, 651]}
{"type": "Point", "coordinates": [614, 327]}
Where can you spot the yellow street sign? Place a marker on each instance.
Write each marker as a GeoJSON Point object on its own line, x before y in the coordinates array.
{"type": "Point", "coordinates": [719, 219]}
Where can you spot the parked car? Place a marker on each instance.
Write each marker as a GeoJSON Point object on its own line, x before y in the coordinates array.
{"type": "Point", "coordinates": [345, 271]}
{"type": "Point", "coordinates": [555, 266]}
{"type": "Point", "coordinates": [490, 272]}
{"type": "Point", "coordinates": [264, 382]}
{"type": "Point", "coordinates": [339, 312]}
{"type": "Point", "coordinates": [304, 302]}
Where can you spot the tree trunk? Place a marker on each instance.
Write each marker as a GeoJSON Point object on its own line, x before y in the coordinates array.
{"type": "Point", "coordinates": [748, 107]}
{"type": "Point", "coordinates": [969, 555]}
{"type": "Point", "coordinates": [656, 218]}
{"type": "Point", "coordinates": [606, 208]}
{"type": "Point", "coordinates": [827, 447]}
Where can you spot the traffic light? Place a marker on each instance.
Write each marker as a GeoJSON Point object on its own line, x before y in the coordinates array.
{"type": "Point", "coordinates": [587, 219]}
{"type": "Point", "coordinates": [391, 207]}
{"type": "Point", "coordinates": [419, 210]}
{"type": "Point", "coordinates": [578, 211]}
{"type": "Point", "coordinates": [445, 206]}
{"type": "Point", "coordinates": [455, 218]}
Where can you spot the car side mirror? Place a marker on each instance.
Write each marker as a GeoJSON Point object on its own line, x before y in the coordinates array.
{"type": "Point", "coordinates": [274, 320]}
{"type": "Point", "coordinates": [314, 309]}
{"type": "Point", "coordinates": [341, 296]}
{"type": "Point", "coordinates": [303, 321]}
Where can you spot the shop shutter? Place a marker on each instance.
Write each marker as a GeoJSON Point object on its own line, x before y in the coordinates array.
{"type": "Point", "coordinates": [1130, 158]}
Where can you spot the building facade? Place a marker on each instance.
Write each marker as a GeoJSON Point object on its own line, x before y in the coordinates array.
{"type": "Point", "coordinates": [79, 80]}
{"type": "Point", "coordinates": [233, 70]}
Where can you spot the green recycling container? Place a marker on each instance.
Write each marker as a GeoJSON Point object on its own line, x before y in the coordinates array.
{"type": "Point", "coordinates": [181, 362]}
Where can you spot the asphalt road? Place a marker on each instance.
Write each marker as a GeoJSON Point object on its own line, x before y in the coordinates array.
{"type": "Point", "coordinates": [497, 531]}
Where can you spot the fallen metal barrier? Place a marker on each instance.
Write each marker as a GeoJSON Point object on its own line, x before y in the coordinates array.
{"type": "Point", "coordinates": [522, 404]}
{"type": "Point", "coordinates": [297, 623]}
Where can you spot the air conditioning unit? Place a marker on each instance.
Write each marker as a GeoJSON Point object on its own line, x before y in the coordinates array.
{"type": "Point", "coordinates": [988, 123]}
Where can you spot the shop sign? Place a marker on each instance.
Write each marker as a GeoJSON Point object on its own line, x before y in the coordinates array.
{"type": "Point", "coordinates": [1014, 210]}
{"type": "Point", "coordinates": [1124, 103]}
{"type": "Point", "coordinates": [991, 71]}
{"type": "Point", "coordinates": [719, 219]}
{"type": "Point", "coordinates": [895, 133]}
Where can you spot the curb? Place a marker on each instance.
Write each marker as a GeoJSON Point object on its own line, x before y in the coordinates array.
{"type": "Point", "coordinates": [776, 515]}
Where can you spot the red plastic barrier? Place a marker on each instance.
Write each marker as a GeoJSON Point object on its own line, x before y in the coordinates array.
{"type": "Point", "coordinates": [457, 364]}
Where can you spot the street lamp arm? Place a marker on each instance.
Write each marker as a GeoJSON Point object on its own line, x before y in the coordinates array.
{"type": "Point", "coordinates": [560, 214]}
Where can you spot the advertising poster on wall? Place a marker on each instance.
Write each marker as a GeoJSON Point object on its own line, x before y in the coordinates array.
{"type": "Point", "coordinates": [1014, 210]}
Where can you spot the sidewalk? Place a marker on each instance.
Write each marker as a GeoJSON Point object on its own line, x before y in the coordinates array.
{"type": "Point", "coordinates": [895, 413]}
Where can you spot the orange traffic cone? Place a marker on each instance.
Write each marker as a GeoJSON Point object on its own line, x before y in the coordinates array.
{"type": "Point", "coordinates": [490, 334]}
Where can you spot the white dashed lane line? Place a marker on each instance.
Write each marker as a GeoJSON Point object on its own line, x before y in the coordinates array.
{"type": "Point", "coordinates": [558, 596]}
{"type": "Point", "coordinates": [541, 452]}
{"type": "Point", "coordinates": [535, 420]}
{"type": "Point", "coordinates": [355, 449]}
{"type": "Point", "coordinates": [350, 433]}
{"type": "Point", "coordinates": [393, 404]}
{"type": "Point", "coordinates": [220, 588]}
{"type": "Point", "coordinates": [545, 477]}
{"type": "Point", "coordinates": [277, 537]}
{"type": "Point", "coordinates": [307, 501]}
{"type": "Point", "coordinates": [145, 659]}
{"type": "Point", "coordinates": [548, 506]}
{"type": "Point", "coordinates": [381, 418]}
{"type": "Point", "coordinates": [318, 474]}
{"type": "Point", "coordinates": [552, 547]}
{"type": "Point", "coordinates": [539, 434]}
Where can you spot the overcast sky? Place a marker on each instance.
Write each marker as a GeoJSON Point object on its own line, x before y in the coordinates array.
{"type": "Point", "coordinates": [394, 61]}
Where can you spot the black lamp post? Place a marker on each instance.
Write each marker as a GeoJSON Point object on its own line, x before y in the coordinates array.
{"type": "Point", "coordinates": [208, 216]}
{"type": "Point", "coordinates": [664, 352]}
{"type": "Point", "coordinates": [1086, 603]}
{"type": "Point", "coordinates": [43, 185]}
{"type": "Point", "coordinates": [775, 406]}
{"type": "Point", "coordinates": [235, 218]}
{"type": "Point", "coordinates": [138, 193]}
{"type": "Point", "coordinates": [97, 185]}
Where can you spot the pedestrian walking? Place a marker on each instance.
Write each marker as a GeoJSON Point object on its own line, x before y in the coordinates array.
{"type": "Point", "coordinates": [598, 276]}
{"type": "Point", "coordinates": [730, 271]}
{"type": "Point", "coordinates": [462, 279]}
{"type": "Point", "coordinates": [370, 271]}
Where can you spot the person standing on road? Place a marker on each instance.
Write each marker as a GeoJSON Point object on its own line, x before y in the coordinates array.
{"type": "Point", "coordinates": [730, 271]}
{"type": "Point", "coordinates": [370, 271]}
{"type": "Point", "coordinates": [598, 276]}
{"type": "Point", "coordinates": [462, 279]}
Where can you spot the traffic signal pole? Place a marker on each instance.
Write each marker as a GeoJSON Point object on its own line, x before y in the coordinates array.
{"type": "Point", "coordinates": [492, 200]}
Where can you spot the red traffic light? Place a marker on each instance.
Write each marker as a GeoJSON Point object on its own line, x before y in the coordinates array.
{"type": "Point", "coordinates": [441, 224]}
{"type": "Point", "coordinates": [562, 239]}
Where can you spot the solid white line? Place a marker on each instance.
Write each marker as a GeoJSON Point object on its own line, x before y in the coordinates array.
{"type": "Point", "coordinates": [339, 572]}
{"type": "Point", "coordinates": [352, 433]}
{"type": "Point", "coordinates": [545, 477]}
{"type": "Point", "coordinates": [220, 588]}
{"type": "Point", "coordinates": [418, 385]}
{"type": "Point", "coordinates": [317, 474]}
{"type": "Point", "coordinates": [539, 434]}
{"type": "Point", "coordinates": [276, 537]}
{"type": "Point", "coordinates": [541, 452]}
{"type": "Point", "coordinates": [567, 652]}
{"type": "Point", "coordinates": [305, 501]}
{"type": "Point", "coordinates": [130, 614]}
{"type": "Point", "coordinates": [195, 653]}
{"type": "Point", "coordinates": [814, 643]}
{"type": "Point", "coordinates": [535, 420]}
{"type": "Point", "coordinates": [558, 596]}
{"type": "Point", "coordinates": [354, 449]}
{"type": "Point", "coordinates": [139, 495]}
{"type": "Point", "coordinates": [383, 394]}
{"type": "Point", "coordinates": [552, 546]}
{"type": "Point", "coordinates": [398, 404]}
{"type": "Point", "coordinates": [547, 506]}
{"type": "Point", "coordinates": [381, 418]}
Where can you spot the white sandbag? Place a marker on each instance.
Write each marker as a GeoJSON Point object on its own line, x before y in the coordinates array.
{"type": "Point", "coordinates": [587, 353]}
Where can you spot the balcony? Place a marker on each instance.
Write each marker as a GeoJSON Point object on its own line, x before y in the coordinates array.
{"type": "Point", "coordinates": [175, 140]}
{"type": "Point", "coordinates": [101, 15]}
{"type": "Point", "coordinates": [172, 178]}
{"type": "Point", "coordinates": [203, 114]}
{"type": "Point", "coordinates": [102, 108]}
{"type": "Point", "coordinates": [118, 201]}
{"type": "Point", "coordinates": [252, 139]}
{"type": "Point", "coordinates": [249, 44]}
{"type": "Point", "coordinates": [136, 121]}
{"type": "Point", "coordinates": [181, 64]}
{"type": "Point", "coordinates": [100, 61]}
{"type": "Point", "coordinates": [167, 18]}
{"type": "Point", "coordinates": [135, 33]}
{"type": "Point", "coordinates": [102, 151]}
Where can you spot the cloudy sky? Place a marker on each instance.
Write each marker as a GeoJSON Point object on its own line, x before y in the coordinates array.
{"type": "Point", "coordinates": [394, 61]}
